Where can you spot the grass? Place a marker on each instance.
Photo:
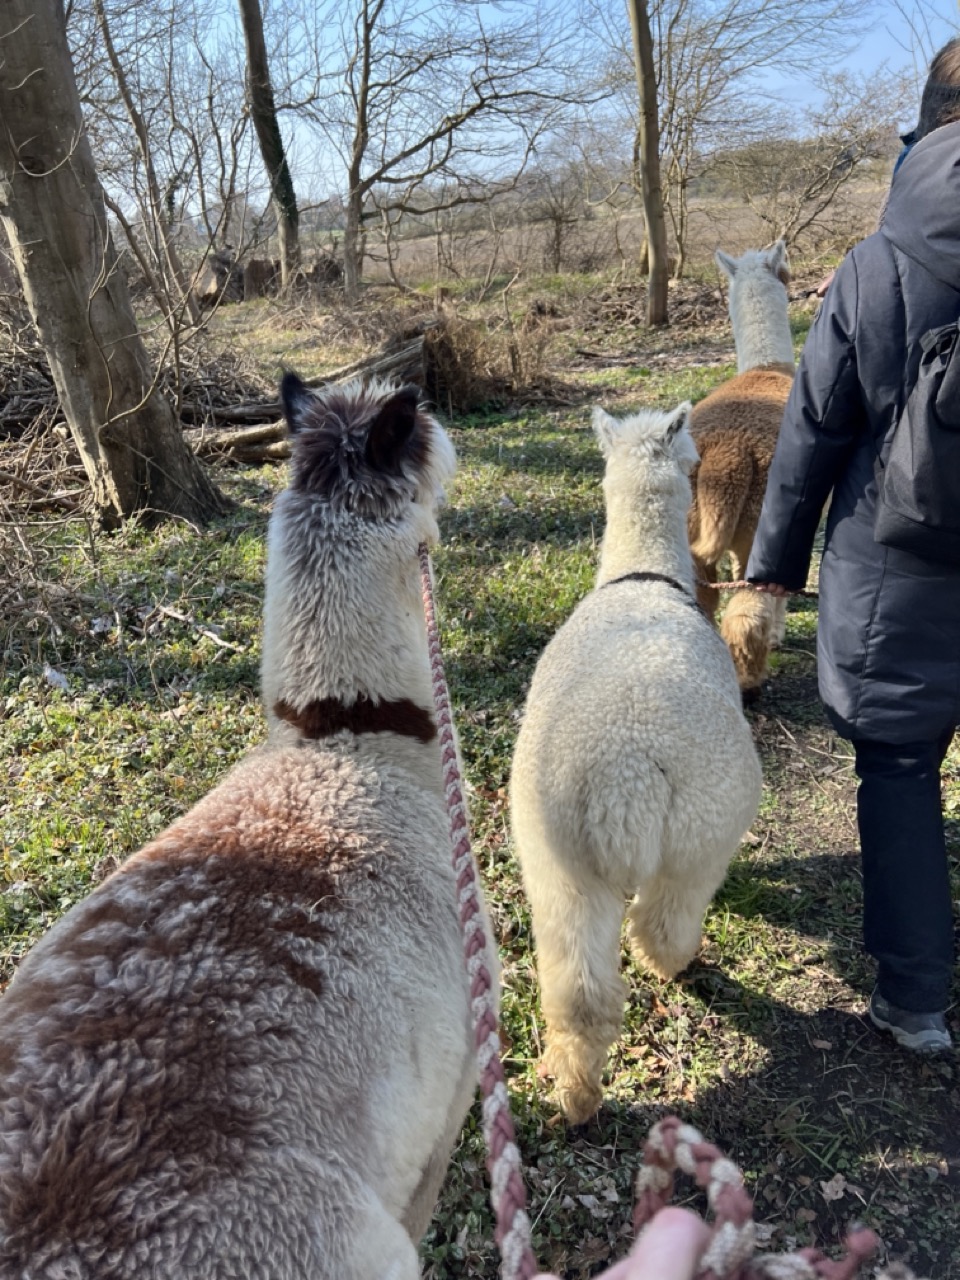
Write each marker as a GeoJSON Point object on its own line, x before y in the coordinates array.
{"type": "Point", "coordinates": [762, 1043]}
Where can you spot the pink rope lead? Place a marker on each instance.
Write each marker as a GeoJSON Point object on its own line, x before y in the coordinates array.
{"type": "Point", "coordinates": [730, 1255]}
{"type": "Point", "coordinates": [507, 1191]}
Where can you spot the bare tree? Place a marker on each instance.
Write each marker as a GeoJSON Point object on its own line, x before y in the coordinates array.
{"type": "Point", "coordinates": [167, 122]}
{"type": "Point", "coordinates": [177, 279]}
{"type": "Point", "coordinates": [646, 154]}
{"type": "Point", "coordinates": [708, 59]}
{"type": "Point", "coordinates": [52, 208]}
{"type": "Point", "coordinates": [793, 176]}
{"type": "Point", "coordinates": [436, 96]}
{"type": "Point", "coordinates": [263, 111]}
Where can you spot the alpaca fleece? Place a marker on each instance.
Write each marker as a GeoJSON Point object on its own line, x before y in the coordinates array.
{"type": "Point", "coordinates": [735, 430]}
{"type": "Point", "coordinates": [635, 774]}
{"type": "Point", "coordinates": [248, 1052]}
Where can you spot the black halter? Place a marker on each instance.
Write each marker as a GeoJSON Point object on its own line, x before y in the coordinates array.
{"type": "Point", "coordinates": [646, 576]}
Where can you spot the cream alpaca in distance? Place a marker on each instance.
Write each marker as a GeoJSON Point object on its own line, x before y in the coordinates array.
{"type": "Point", "coordinates": [248, 1052]}
{"type": "Point", "coordinates": [735, 430]}
{"type": "Point", "coordinates": [635, 774]}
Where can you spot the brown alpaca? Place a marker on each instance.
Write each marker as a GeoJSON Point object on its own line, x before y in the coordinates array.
{"type": "Point", "coordinates": [735, 429]}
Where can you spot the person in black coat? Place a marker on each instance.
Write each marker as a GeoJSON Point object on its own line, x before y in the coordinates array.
{"type": "Point", "coordinates": [888, 642]}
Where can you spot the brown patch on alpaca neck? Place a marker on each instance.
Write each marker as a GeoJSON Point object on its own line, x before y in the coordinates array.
{"type": "Point", "coordinates": [776, 366]}
{"type": "Point", "coordinates": [324, 717]}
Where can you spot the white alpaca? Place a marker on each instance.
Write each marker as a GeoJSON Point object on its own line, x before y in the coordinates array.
{"type": "Point", "coordinates": [635, 773]}
{"type": "Point", "coordinates": [248, 1052]}
{"type": "Point", "coordinates": [735, 430]}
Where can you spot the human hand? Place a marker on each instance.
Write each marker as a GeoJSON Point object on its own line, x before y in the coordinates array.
{"type": "Point", "coordinates": [668, 1249]}
{"type": "Point", "coordinates": [772, 589]}
{"type": "Point", "coordinates": [824, 285]}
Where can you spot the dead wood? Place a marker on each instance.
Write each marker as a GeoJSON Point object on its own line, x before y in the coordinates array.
{"type": "Point", "coordinates": [255, 443]}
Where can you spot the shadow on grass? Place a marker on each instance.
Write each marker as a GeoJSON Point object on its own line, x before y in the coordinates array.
{"type": "Point", "coordinates": [832, 1097]}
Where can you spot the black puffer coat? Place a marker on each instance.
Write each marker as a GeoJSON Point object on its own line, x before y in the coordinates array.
{"type": "Point", "coordinates": [889, 626]}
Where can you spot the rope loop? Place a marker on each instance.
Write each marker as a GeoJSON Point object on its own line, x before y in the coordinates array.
{"type": "Point", "coordinates": [673, 1145]}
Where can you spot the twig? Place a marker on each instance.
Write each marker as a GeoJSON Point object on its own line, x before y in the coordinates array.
{"type": "Point", "coordinates": [204, 630]}
{"type": "Point", "coordinates": [64, 500]}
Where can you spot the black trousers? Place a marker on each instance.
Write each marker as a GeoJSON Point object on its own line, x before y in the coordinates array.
{"type": "Point", "coordinates": [907, 909]}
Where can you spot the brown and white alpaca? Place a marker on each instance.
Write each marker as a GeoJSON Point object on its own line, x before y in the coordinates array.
{"type": "Point", "coordinates": [635, 774]}
{"type": "Point", "coordinates": [735, 429]}
{"type": "Point", "coordinates": [247, 1053]}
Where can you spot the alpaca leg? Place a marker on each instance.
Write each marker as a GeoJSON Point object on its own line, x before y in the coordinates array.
{"type": "Point", "coordinates": [779, 625]}
{"type": "Point", "coordinates": [382, 1247]}
{"type": "Point", "coordinates": [577, 930]}
{"type": "Point", "coordinates": [665, 922]}
{"type": "Point", "coordinates": [746, 627]}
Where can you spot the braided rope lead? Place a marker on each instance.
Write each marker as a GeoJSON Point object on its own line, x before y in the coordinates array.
{"type": "Point", "coordinates": [673, 1145]}
{"type": "Point", "coordinates": [507, 1192]}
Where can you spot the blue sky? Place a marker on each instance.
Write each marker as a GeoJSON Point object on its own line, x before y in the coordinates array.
{"type": "Point", "coordinates": [887, 38]}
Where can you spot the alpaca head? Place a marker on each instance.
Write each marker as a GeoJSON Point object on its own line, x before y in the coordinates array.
{"type": "Point", "coordinates": [651, 451]}
{"type": "Point", "coordinates": [367, 450]}
{"type": "Point", "coordinates": [758, 305]}
{"type": "Point", "coordinates": [773, 260]}
{"type": "Point", "coordinates": [649, 456]}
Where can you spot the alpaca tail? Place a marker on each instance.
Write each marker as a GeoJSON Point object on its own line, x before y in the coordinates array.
{"type": "Point", "coordinates": [748, 627]}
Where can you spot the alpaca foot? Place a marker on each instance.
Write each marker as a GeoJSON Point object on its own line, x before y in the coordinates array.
{"type": "Point", "coordinates": [579, 1103]}
{"type": "Point", "coordinates": [665, 964]}
{"type": "Point", "coordinates": [750, 697]}
{"type": "Point", "coordinates": [576, 1067]}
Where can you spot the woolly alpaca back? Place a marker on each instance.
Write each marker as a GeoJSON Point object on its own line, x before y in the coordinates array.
{"type": "Point", "coordinates": [649, 456]}
{"type": "Point", "coordinates": [758, 306]}
{"type": "Point", "coordinates": [343, 620]}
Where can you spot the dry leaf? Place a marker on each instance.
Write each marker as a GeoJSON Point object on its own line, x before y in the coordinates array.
{"type": "Point", "coordinates": [835, 1189]}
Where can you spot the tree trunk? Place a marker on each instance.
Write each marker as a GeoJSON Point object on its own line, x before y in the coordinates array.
{"type": "Point", "coordinates": [647, 157]}
{"type": "Point", "coordinates": [51, 205]}
{"type": "Point", "coordinates": [352, 247]}
{"type": "Point", "coordinates": [263, 112]}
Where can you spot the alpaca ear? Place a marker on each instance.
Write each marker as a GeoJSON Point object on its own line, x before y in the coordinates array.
{"type": "Point", "coordinates": [679, 419]}
{"type": "Point", "coordinates": [778, 262]}
{"type": "Point", "coordinates": [391, 430]}
{"type": "Point", "coordinates": [726, 264]}
{"type": "Point", "coordinates": [678, 441]}
{"type": "Point", "coordinates": [606, 429]}
{"type": "Point", "coordinates": [295, 397]}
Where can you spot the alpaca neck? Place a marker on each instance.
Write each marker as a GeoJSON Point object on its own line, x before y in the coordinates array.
{"type": "Point", "coordinates": [646, 534]}
{"type": "Point", "coordinates": [761, 326]}
{"type": "Point", "coordinates": [346, 646]}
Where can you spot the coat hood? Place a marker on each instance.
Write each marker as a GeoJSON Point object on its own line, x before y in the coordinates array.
{"type": "Point", "coordinates": [922, 216]}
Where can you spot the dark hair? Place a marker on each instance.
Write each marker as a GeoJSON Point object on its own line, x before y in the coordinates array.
{"type": "Point", "coordinates": [940, 103]}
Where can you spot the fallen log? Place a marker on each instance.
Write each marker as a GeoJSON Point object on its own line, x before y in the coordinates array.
{"type": "Point", "coordinates": [407, 363]}
{"type": "Point", "coordinates": [207, 444]}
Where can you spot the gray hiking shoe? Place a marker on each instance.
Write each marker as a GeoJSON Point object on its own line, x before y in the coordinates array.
{"type": "Point", "coordinates": [924, 1033]}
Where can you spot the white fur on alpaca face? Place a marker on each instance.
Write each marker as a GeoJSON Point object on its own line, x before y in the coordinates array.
{"type": "Point", "coordinates": [774, 259]}
{"type": "Point", "coordinates": [657, 440]}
